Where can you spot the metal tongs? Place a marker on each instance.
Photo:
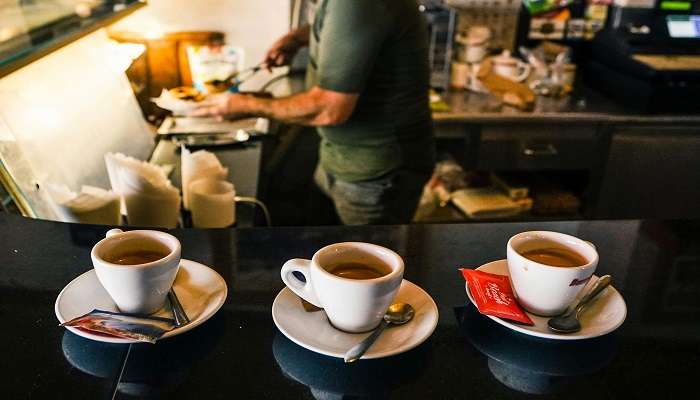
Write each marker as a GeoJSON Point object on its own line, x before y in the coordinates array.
{"type": "Point", "coordinates": [234, 80]}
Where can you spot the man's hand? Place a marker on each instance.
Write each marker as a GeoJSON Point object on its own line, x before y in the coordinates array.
{"type": "Point", "coordinates": [221, 105]}
{"type": "Point", "coordinates": [282, 51]}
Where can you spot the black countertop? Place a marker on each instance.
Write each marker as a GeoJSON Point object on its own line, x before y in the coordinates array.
{"type": "Point", "coordinates": [239, 353]}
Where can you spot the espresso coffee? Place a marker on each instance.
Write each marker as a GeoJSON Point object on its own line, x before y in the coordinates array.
{"type": "Point", "coordinates": [135, 251]}
{"type": "Point", "coordinates": [556, 257]}
{"type": "Point", "coordinates": [135, 257]}
{"type": "Point", "coordinates": [356, 270]}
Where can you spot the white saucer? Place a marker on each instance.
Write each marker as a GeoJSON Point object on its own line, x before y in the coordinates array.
{"type": "Point", "coordinates": [605, 314]}
{"type": "Point", "coordinates": [200, 289]}
{"type": "Point", "coordinates": [312, 330]}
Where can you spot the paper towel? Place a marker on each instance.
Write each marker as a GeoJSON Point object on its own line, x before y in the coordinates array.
{"type": "Point", "coordinates": [149, 197]}
{"type": "Point", "coordinates": [92, 205]}
{"type": "Point", "coordinates": [198, 165]}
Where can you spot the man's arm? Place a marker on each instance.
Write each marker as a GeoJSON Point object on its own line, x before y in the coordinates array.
{"type": "Point", "coordinates": [283, 50]}
{"type": "Point", "coordinates": [314, 107]}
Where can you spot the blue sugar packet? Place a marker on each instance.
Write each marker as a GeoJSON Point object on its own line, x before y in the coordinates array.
{"type": "Point", "coordinates": [129, 326]}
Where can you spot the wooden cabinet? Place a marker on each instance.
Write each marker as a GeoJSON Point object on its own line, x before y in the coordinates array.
{"type": "Point", "coordinates": [651, 172]}
{"type": "Point", "coordinates": [625, 171]}
{"type": "Point", "coordinates": [538, 147]}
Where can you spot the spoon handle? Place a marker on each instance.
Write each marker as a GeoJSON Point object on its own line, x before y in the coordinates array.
{"type": "Point", "coordinates": [359, 349]}
{"type": "Point", "coordinates": [601, 283]}
{"type": "Point", "coordinates": [179, 313]}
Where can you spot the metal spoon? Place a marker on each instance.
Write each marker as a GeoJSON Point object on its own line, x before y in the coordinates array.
{"type": "Point", "coordinates": [397, 314]}
{"type": "Point", "coordinates": [568, 323]}
{"type": "Point", "coordinates": [179, 314]}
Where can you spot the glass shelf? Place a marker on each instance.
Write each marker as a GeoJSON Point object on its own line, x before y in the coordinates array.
{"type": "Point", "coordinates": [31, 29]}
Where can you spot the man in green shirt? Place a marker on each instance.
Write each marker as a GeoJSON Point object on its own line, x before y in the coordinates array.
{"type": "Point", "coordinates": [367, 94]}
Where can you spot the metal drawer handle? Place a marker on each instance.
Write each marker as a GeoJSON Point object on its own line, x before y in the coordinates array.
{"type": "Point", "coordinates": [540, 150]}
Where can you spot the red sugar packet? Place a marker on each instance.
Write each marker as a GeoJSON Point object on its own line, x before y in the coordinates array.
{"type": "Point", "coordinates": [494, 296]}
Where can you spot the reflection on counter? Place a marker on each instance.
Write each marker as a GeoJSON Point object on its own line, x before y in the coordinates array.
{"type": "Point", "coordinates": [102, 360]}
{"type": "Point", "coordinates": [330, 378]}
{"type": "Point", "coordinates": [156, 371]}
{"type": "Point", "coordinates": [153, 368]}
{"type": "Point", "coordinates": [534, 365]}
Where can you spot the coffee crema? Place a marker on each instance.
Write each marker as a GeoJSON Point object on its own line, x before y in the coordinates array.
{"type": "Point", "coordinates": [356, 270]}
{"type": "Point", "coordinates": [555, 257]}
{"type": "Point", "coordinates": [135, 257]}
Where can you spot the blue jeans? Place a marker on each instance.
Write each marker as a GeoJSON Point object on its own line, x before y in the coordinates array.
{"type": "Point", "coordinates": [390, 199]}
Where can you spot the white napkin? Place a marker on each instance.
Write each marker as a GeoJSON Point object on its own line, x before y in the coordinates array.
{"type": "Point", "coordinates": [91, 206]}
{"type": "Point", "coordinates": [149, 196]}
{"type": "Point", "coordinates": [198, 165]}
{"type": "Point", "coordinates": [168, 101]}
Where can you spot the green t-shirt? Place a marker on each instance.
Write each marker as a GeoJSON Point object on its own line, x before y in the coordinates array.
{"type": "Point", "coordinates": [379, 50]}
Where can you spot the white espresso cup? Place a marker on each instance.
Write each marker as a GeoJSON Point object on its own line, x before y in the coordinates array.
{"type": "Point", "coordinates": [137, 288]}
{"type": "Point", "coordinates": [352, 305]}
{"type": "Point", "coordinates": [544, 289]}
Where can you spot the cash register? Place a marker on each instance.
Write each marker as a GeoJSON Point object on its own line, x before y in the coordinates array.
{"type": "Point", "coordinates": [648, 55]}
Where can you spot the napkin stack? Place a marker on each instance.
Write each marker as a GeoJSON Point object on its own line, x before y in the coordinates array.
{"type": "Point", "coordinates": [149, 197]}
{"type": "Point", "coordinates": [168, 101]}
{"type": "Point", "coordinates": [199, 165]}
{"type": "Point", "coordinates": [91, 206]}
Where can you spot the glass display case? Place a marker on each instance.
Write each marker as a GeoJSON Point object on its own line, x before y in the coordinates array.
{"type": "Point", "coordinates": [56, 64]}
{"type": "Point", "coordinates": [31, 29]}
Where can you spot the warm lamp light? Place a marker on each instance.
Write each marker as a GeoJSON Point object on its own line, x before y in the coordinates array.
{"type": "Point", "coordinates": [121, 55]}
{"type": "Point", "coordinates": [153, 33]}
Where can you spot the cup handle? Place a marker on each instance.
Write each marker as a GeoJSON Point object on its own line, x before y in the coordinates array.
{"type": "Point", "coordinates": [302, 289]}
{"type": "Point", "coordinates": [113, 232]}
{"type": "Point", "coordinates": [525, 72]}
